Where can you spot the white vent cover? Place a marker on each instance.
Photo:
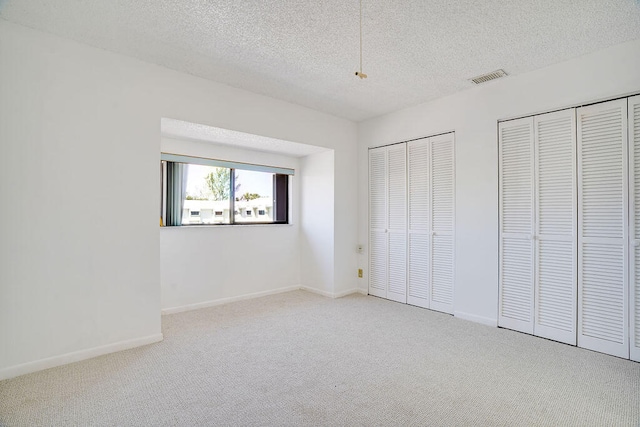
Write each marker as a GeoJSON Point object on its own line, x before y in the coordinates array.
{"type": "Point", "coordinates": [489, 76]}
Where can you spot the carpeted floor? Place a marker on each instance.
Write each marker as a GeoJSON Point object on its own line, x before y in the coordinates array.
{"type": "Point", "coordinates": [302, 359]}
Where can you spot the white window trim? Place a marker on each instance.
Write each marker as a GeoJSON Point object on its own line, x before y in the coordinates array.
{"type": "Point", "coordinates": [177, 158]}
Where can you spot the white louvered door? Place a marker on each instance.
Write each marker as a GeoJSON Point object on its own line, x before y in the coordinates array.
{"type": "Point", "coordinates": [442, 208]}
{"type": "Point", "coordinates": [397, 222]}
{"type": "Point", "coordinates": [516, 224]}
{"type": "Point", "coordinates": [634, 223]}
{"type": "Point", "coordinates": [555, 204]}
{"type": "Point", "coordinates": [412, 215]}
{"type": "Point", "coordinates": [378, 236]}
{"type": "Point", "coordinates": [418, 230]}
{"type": "Point", "coordinates": [602, 228]}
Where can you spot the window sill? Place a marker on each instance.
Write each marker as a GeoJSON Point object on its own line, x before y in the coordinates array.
{"type": "Point", "coordinates": [198, 226]}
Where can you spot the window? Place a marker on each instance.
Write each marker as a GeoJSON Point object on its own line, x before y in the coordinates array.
{"type": "Point", "coordinates": [255, 191]}
{"type": "Point", "coordinates": [205, 191]}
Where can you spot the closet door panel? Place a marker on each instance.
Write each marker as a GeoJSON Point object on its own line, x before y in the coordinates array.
{"type": "Point", "coordinates": [635, 307]}
{"type": "Point", "coordinates": [418, 174]}
{"type": "Point", "coordinates": [442, 273]}
{"type": "Point", "coordinates": [418, 230]}
{"type": "Point", "coordinates": [397, 290]}
{"type": "Point", "coordinates": [603, 228]}
{"type": "Point", "coordinates": [556, 221]}
{"type": "Point", "coordinates": [635, 304]}
{"type": "Point", "coordinates": [397, 220]}
{"type": "Point", "coordinates": [516, 297]}
{"type": "Point", "coordinates": [634, 223]}
{"type": "Point", "coordinates": [556, 291]}
{"type": "Point", "coordinates": [378, 243]}
{"type": "Point", "coordinates": [378, 236]}
{"type": "Point", "coordinates": [516, 256]}
{"type": "Point", "coordinates": [602, 298]}
{"type": "Point", "coordinates": [442, 168]}
{"type": "Point", "coordinates": [397, 189]}
{"type": "Point", "coordinates": [418, 270]}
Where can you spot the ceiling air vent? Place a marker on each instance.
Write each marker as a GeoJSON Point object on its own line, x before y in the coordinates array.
{"type": "Point", "coordinates": [489, 76]}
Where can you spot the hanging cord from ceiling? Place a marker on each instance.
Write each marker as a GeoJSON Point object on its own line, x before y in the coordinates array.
{"type": "Point", "coordinates": [360, 73]}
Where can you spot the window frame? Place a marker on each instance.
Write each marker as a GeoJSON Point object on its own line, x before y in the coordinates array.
{"type": "Point", "coordinates": [281, 175]}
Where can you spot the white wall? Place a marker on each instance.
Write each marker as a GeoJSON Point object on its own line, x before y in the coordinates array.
{"type": "Point", "coordinates": [80, 131]}
{"type": "Point", "coordinates": [473, 115]}
{"type": "Point", "coordinates": [346, 219]}
{"type": "Point", "coordinates": [317, 222]}
{"type": "Point", "coordinates": [203, 264]}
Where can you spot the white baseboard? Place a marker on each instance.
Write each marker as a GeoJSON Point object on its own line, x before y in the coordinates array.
{"type": "Point", "coordinates": [76, 356]}
{"type": "Point", "coordinates": [204, 304]}
{"type": "Point", "coordinates": [317, 291]}
{"type": "Point", "coordinates": [330, 294]}
{"type": "Point", "coordinates": [477, 319]}
{"type": "Point", "coordinates": [347, 292]}
{"type": "Point", "coordinates": [212, 303]}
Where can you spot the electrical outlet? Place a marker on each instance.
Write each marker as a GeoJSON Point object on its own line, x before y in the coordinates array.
{"type": "Point", "coordinates": [360, 273]}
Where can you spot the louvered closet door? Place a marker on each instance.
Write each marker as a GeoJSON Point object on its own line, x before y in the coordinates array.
{"type": "Point", "coordinates": [634, 192]}
{"type": "Point", "coordinates": [442, 222]}
{"type": "Point", "coordinates": [378, 236]}
{"type": "Point", "coordinates": [602, 228]}
{"type": "Point", "coordinates": [516, 179]}
{"type": "Point", "coordinates": [418, 175]}
{"type": "Point", "coordinates": [397, 222]}
{"type": "Point", "coordinates": [555, 230]}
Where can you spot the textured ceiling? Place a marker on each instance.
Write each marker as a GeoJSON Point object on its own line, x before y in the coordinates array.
{"type": "Point", "coordinates": [181, 129]}
{"type": "Point", "coordinates": [306, 52]}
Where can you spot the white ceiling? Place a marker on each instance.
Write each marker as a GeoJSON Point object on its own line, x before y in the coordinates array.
{"type": "Point", "coordinates": [306, 52]}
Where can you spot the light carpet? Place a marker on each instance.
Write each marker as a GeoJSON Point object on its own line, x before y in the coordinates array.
{"type": "Point", "coordinates": [302, 359]}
